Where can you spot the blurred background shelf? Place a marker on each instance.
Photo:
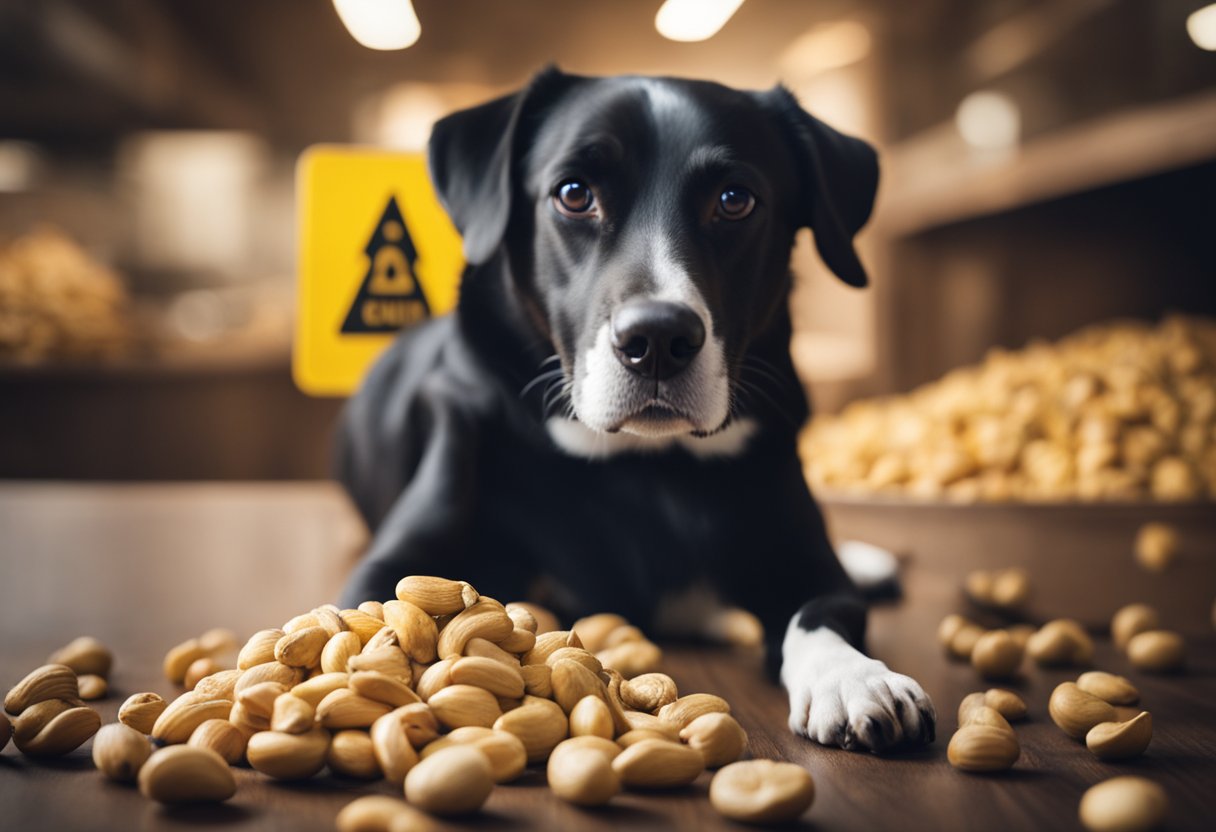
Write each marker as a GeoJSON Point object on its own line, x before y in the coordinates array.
{"type": "Point", "coordinates": [1048, 164]}
{"type": "Point", "coordinates": [932, 182]}
{"type": "Point", "coordinates": [180, 411]}
{"type": "Point", "coordinates": [200, 423]}
{"type": "Point", "coordinates": [162, 359]}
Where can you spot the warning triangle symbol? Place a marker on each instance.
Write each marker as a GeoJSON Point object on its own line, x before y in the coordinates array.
{"type": "Point", "coordinates": [390, 296]}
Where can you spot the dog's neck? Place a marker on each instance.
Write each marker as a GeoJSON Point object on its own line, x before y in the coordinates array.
{"type": "Point", "coordinates": [496, 325]}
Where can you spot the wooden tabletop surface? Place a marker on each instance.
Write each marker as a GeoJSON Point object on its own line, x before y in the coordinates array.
{"type": "Point", "coordinates": [143, 567]}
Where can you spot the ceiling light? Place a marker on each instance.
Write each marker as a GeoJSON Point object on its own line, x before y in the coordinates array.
{"type": "Point", "coordinates": [1201, 26]}
{"type": "Point", "coordinates": [989, 120]}
{"type": "Point", "coordinates": [693, 20]}
{"type": "Point", "coordinates": [405, 114]}
{"type": "Point", "coordinates": [380, 24]}
{"type": "Point", "coordinates": [826, 46]}
{"type": "Point", "coordinates": [20, 164]}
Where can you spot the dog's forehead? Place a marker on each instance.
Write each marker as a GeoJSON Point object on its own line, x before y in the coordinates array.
{"type": "Point", "coordinates": [675, 110]}
{"type": "Point", "coordinates": [615, 117]}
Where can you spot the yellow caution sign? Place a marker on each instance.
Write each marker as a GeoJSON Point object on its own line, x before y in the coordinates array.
{"type": "Point", "coordinates": [377, 253]}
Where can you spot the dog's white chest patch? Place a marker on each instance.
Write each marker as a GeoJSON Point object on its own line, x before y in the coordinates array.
{"type": "Point", "coordinates": [577, 439]}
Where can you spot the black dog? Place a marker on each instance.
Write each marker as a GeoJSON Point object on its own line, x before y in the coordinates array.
{"type": "Point", "coordinates": [610, 415]}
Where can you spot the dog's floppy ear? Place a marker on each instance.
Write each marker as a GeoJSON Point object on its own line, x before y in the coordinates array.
{"type": "Point", "coordinates": [471, 155]}
{"type": "Point", "coordinates": [839, 177]}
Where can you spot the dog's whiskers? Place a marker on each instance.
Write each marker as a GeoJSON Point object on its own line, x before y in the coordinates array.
{"type": "Point", "coordinates": [756, 390]}
{"type": "Point", "coordinates": [765, 369]}
{"type": "Point", "coordinates": [555, 393]}
{"type": "Point", "coordinates": [781, 382]}
{"type": "Point", "coordinates": [547, 376]}
{"type": "Point", "coordinates": [764, 375]}
{"type": "Point", "coordinates": [552, 395]}
{"type": "Point", "coordinates": [759, 378]}
{"type": "Point", "coordinates": [761, 362]}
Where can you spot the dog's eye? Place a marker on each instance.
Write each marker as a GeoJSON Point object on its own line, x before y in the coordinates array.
{"type": "Point", "coordinates": [735, 203]}
{"type": "Point", "coordinates": [574, 198]}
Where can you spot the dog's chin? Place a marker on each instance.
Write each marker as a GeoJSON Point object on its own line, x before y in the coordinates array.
{"type": "Point", "coordinates": [657, 422]}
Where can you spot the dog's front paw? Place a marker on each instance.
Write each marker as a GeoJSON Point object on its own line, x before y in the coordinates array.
{"type": "Point", "coordinates": [857, 703]}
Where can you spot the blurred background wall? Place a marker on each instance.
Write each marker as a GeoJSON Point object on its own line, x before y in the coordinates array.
{"type": "Point", "coordinates": [1047, 164]}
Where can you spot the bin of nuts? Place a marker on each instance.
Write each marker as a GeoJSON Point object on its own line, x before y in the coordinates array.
{"type": "Point", "coordinates": [442, 692]}
{"type": "Point", "coordinates": [1120, 411]}
{"type": "Point", "coordinates": [58, 303]}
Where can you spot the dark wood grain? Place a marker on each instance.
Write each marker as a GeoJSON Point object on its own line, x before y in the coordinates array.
{"type": "Point", "coordinates": [143, 567]}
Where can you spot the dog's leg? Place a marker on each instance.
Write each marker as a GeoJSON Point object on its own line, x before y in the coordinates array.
{"type": "Point", "coordinates": [426, 531]}
{"type": "Point", "coordinates": [840, 696]}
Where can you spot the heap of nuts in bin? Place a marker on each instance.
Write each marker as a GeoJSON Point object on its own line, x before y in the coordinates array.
{"type": "Point", "coordinates": [1094, 709]}
{"type": "Point", "coordinates": [442, 692]}
{"type": "Point", "coordinates": [57, 302]}
{"type": "Point", "coordinates": [1120, 411]}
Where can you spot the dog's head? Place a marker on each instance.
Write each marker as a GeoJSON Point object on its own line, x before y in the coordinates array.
{"type": "Point", "coordinates": [648, 226]}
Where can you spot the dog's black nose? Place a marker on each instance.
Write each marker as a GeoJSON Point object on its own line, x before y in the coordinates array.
{"type": "Point", "coordinates": [656, 339]}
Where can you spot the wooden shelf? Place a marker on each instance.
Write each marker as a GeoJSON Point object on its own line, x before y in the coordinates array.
{"type": "Point", "coordinates": [167, 359]}
{"type": "Point", "coordinates": [935, 180]}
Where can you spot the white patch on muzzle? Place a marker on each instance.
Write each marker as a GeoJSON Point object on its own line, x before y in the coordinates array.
{"type": "Point", "coordinates": [606, 395]}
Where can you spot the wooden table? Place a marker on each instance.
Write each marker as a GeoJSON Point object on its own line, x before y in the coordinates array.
{"type": "Point", "coordinates": [143, 567]}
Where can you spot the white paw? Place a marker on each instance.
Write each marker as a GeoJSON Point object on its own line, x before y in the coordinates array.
{"type": "Point", "coordinates": [840, 697]}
